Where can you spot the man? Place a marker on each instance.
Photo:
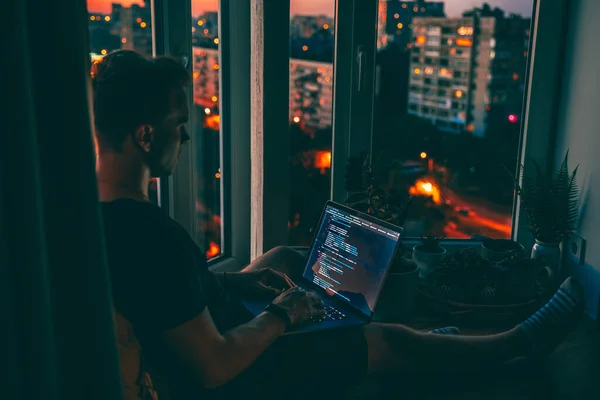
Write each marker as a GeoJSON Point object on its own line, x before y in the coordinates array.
{"type": "Point", "coordinates": [189, 320]}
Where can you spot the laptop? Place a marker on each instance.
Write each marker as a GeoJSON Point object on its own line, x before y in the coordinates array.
{"type": "Point", "coordinates": [347, 265]}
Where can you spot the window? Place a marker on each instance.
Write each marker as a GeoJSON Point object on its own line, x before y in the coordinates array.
{"type": "Point", "coordinates": [114, 26]}
{"type": "Point", "coordinates": [206, 131]}
{"type": "Point", "coordinates": [128, 25]}
{"type": "Point", "coordinates": [467, 152]}
{"type": "Point", "coordinates": [312, 29]}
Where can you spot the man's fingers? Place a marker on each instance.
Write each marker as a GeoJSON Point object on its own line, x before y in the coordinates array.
{"type": "Point", "coordinates": [319, 304]}
{"type": "Point", "coordinates": [289, 280]}
{"type": "Point", "coordinates": [315, 300]}
{"type": "Point", "coordinates": [319, 311]}
{"type": "Point", "coordinates": [282, 279]}
{"type": "Point", "coordinates": [270, 289]}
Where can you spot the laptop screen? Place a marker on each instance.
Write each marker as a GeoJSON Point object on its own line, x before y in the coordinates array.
{"type": "Point", "coordinates": [350, 257]}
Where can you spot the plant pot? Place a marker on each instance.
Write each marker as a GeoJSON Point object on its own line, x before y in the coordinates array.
{"type": "Point", "coordinates": [427, 261]}
{"type": "Point", "coordinates": [399, 295]}
{"type": "Point", "coordinates": [496, 250]}
{"type": "Point", "coordinates": [550, 253]}
{"type": "Point", "coordinates": [522, 283]}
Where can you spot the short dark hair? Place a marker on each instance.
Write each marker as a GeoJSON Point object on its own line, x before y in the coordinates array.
{"type": "Point", "coordinates": [131, 90]}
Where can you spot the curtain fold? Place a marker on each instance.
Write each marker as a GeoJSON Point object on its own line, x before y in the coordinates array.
{"type": "Point", "coordinates": [55, 291]}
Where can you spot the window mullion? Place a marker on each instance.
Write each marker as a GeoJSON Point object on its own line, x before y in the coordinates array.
{"type": "Point", "coordinates": [234, 31]}
{"type": "Point", "coordinates": [175, 33]}
{"type": "Point", "coordinates": [270, 141]}
{"type": "Point", "coordinates": [354, 82]}
{"type": "Point", "coordinates": [542, 99]}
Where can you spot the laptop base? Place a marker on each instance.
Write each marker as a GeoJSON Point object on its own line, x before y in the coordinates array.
{"type": "Point", "coordinates": [256, 307]}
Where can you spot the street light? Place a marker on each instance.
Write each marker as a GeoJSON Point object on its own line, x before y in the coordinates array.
{"type": "Point", "coordinates": [423, 155]}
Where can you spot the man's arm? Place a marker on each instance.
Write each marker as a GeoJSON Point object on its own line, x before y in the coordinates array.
{"type": "Point", "coordinates": [214, 358]}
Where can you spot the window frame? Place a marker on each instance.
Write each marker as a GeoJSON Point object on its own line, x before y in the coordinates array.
{"type": "Point", "coordinates": [172, 21]}
{"type": "Point", "coordinates": [270, 166]}
{"type": "Point", "coordinates": [239, 200]}
{"type": "Point", "coordinates": [355, 43]}
{"type": "Point", "coordinates": [549, 25]}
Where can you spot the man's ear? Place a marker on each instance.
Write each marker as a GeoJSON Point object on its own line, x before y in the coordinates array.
{"type": "Point", "coordinates": [144, 137]}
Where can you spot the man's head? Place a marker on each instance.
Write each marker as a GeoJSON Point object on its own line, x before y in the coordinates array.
{"type": "Point", "coordinates": [140, 108]}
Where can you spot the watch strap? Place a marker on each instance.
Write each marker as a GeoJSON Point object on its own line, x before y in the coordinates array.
{"type": "Point", "coordinates": [280, 313]}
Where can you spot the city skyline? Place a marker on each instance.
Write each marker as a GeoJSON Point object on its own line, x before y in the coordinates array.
{"type": "Point", "coordinates": [454, 8]}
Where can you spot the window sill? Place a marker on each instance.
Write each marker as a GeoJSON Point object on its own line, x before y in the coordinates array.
{"type": "Point", "coordinates": [451, 245]}
{"type": "Point", "coordinates": [225, 264]}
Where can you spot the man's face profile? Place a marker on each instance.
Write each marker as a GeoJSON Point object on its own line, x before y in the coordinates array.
{"type": "Point", "coordinates": [161, 143]}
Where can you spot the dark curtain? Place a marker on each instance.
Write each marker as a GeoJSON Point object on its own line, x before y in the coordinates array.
{"type": "Point", "coordinates": [58, 338]}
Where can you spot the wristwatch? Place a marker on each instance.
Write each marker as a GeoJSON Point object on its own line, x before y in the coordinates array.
{"type": "Point", "coordinates": [280, 313]}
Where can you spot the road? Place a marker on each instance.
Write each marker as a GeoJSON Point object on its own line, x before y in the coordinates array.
{"type": "Point", "coordinates": [485, 218]}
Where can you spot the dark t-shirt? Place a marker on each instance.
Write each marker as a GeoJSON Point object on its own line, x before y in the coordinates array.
{"type": "Point", "coordinates": [159, 275]}
{"type": "Point", "coordinates": [160, 280]}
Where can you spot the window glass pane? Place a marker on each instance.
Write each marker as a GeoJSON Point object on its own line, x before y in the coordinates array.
{"type": "Point", "coordinates": [448, 110]}
{"type": "Point", "coordinates": [311, 95]}
{"type": "Point", "coordinates": [121, 24]}
{"type": "Point", "coordinates": [206, 132]}
{"type": "Point", "coordinates": [115, 25]}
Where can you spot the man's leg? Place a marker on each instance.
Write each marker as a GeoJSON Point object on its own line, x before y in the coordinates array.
{"type": "Point", "coordinates": [282, 259]}
{"type": "Point", "coordinates": [395, 347]}
{"type": "Point", "coordinates": [398, 347]}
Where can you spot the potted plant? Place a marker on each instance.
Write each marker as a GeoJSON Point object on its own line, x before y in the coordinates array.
{"type": "Point", "coordinates": [552, 207]}
{"type": "Point", "coordinates": [523, 278]}
{"type": "Point", "coordinates": [496, 250]}
{"type": "Point", "coordinates": [399, 294]}
{"type": "Point", "coordinates": [429, 254]}
{"type": "Point", "coordinates": [465, 277]}
{"type": "Point", "coordinates": [366, 195]}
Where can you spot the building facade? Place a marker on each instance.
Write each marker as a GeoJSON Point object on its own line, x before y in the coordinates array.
{"type": "Point", "coordinates": [135, 27]}
{"type": "Point", "coordinates": [305, 26]}
{"type": "Point", "coordinates": [206, 78]}
{"type": "Point", "coordinates": [382, 37]}
{"type": "Point", "coordinates": [463, 70]}
{"type": "Point", "coordinates": [311, 94]}
{"type": "Point", "coordinates": [395, 24]}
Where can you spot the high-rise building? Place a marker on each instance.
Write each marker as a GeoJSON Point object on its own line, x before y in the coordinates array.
{"type": "Point", "coordinates": [206, 78]}
{"type": "Point", "coordinates": [449, 65]}
{"type": "Point", "coordinates": [507, 74]}
{"type": "Point", "coordinates": [126, 31]}
{"type": "Point", "coordinates": [311, 94]}
{"type": "Point", "coordinates": [104, 36]}
{"type": "Point", "coordinates": [462, 69]}
{"type": "Point", "coordinates": [382, 37]}
{"type": "Point", "coordinates": [134, 27]}
{"type": "Point", "coordinates": [211, 22]}
{"type": "Point", "coordinates": [396, 25]}
{"type": "Point", "coordinates": [305, 26]}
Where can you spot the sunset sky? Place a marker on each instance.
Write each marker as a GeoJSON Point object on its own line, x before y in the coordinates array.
{"type": "Point", "coordinates": [313, 7]}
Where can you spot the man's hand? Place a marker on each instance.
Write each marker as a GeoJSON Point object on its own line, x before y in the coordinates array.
{"type": "Point", "coordinates": [300, 305]}
{"type": "Point", "coordinates": [262, 283]}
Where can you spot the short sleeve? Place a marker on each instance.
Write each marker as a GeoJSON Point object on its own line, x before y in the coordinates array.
{"type": "Point", "coordinates": [157, 278]}
{"type": "Point", "coordinates": [172, 290]}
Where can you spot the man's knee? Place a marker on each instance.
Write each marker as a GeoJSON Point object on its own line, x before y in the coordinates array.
{"type": "Point", "coordinates": [285, 252]}
{"type": "Point", "coordinates": [286, 258]}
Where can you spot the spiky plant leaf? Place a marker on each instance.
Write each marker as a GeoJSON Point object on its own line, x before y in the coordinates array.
{"type": "Point", "coordinates": [551, 203]}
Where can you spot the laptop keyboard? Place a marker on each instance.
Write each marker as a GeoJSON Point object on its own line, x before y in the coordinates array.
{"type": "Point", "coordinates": [331, 314]}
